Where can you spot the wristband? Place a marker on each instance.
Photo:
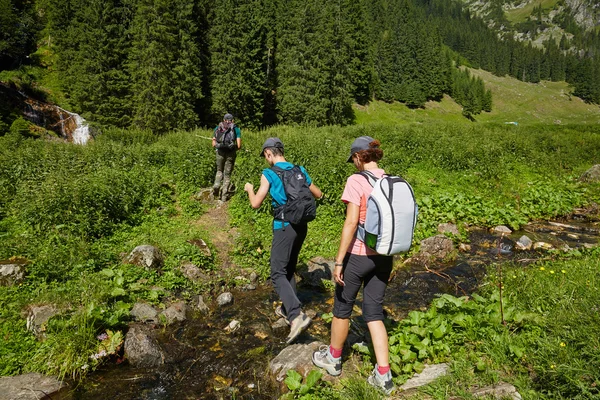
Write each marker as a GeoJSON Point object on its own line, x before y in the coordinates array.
{"type": "Point", "coordinates": [337, 264]}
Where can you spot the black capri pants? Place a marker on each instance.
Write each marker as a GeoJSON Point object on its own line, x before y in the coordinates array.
{"type": "Point", "coordinates": [372, 271]}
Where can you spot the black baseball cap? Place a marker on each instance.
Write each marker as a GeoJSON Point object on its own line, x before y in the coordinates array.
{"type": "Point", "coordinates": [271, 142]}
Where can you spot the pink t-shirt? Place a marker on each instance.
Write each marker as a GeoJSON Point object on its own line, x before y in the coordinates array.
{"type": "Point", "coordinates": [357, 191]}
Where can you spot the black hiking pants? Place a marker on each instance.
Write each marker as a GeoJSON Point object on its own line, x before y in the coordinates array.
{"type": "Point", "coordinates": [285, 248]}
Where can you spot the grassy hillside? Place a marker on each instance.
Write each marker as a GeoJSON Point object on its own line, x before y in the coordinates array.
{"type": "Point", "coordinates": [513, 101]}
{"type": "Point", "coordinates": [520, 14]}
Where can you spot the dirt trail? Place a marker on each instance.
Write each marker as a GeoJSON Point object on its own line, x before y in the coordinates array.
{"type": "Point", "coordinates": [216, 222]}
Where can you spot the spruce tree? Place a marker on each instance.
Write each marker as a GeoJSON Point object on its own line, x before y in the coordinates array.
{"type": "Point", "coordinates": [164, 66]}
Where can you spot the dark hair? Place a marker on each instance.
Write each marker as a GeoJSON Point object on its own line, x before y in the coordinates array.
{"type": "Point", "coordinates": [374, 153]}
{"type": "Point", "coordinates": [276, 151]}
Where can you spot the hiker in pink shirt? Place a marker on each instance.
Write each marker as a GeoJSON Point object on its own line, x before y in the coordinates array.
{"type": "Point", "coordinates": [356, 265]}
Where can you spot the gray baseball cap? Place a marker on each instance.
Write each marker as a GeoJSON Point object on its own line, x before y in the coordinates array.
{"type": "Point", "coordinates": [360, 143]}
{"type": "Point", "coordinates": [228, 117]}
{"type": "Point", "coordinates": [271, 142]}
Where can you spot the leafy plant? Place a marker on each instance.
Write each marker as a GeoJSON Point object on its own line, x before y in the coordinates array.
{"type": "Point", "coordinates": [299, 390]}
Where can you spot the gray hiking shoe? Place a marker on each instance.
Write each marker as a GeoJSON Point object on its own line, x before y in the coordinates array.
{"type": "Point", "coordinates": [279, 312]}
{"type": "Point", "coordinates": [298, 325]}
{"type": "Point", "coordinates": [381, 382]}
{"type": "Point", "coordinates": [323, 359]}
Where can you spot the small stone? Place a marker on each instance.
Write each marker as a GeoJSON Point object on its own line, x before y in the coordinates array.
{"type": "Point", "coordinates": [11, 274]}
{"type": "Point", "coordinates": [253, 277]}
{"type": "Point", "coordinates": [193, 273]}
{"type": "Point", "coordinates": [198, 304]}
{"type": "Point", "coordinates": [573, 236]}
{"type": "Point", "coordinates": [448, 228]}
{"type": "Point", "coordinates": [248, 286]}
{"type": "Point", "coordinates": [201, 244]}
{"type": "Point", "coordinates": [279, 324]}
{"type": "Point", "coordinates": [542, 246]}
{"type": "Point", "coordinates": [225, 299]}
{"type": "Point", "coordinates": [143, 312]}
{"type": "Point", "coordinates": [501, 229]}
{"type": "Point", "coordinates": [145, 256]}
{"type": "Point", "coordinates": [175, 312]}
{"type": "Point", "coordinates": [233, 326]}
{"type": "Point", "coordinates": [524, 243]}
{"type": "Point", "coordinates": [428, 375]}
{"type": "Point", "coordinates": [38, 318]}
{"type": "Point", "coordinates": [500, 391]}
{"type": "Point", "coordinates": [465, 248]}
{"type": "Point", "coordinates": [591, 175]}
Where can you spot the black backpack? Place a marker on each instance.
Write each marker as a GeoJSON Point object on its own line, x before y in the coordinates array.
{"type": "Point", "coordinates": [301, 206]}
{"type": "Point", "coordinates": [225, 136]}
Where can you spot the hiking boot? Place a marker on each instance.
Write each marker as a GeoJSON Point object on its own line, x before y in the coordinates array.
{"type": "Point", "coordinates": [298, 325]}
{"type": "Point", "coordinates": [381, 382]}
{"type": "Point", "coordinates": [279, 312]}
{"type": "Point", "coordinates": [323, 359]}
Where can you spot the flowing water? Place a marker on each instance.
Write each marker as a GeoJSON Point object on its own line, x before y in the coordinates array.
{"type": "Point", "coordinates": [205, 361]}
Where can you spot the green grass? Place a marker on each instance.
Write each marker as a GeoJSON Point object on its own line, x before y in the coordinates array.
{"type": "Point", "coordinates": [546, 103]}
{"type": "Point", "coordinates": [520, 14]}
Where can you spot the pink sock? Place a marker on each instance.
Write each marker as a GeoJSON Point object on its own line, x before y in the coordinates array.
{"type": "Point", "coordinates": [335, 353]}
{"type": "Point", "coordinates": [383, 370]}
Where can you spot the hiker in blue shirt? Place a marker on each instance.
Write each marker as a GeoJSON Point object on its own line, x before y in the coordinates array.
{"type": "Point", "coordinates": [288, 237]}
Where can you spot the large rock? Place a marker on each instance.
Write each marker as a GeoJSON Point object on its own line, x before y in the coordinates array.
{"type": "Point", "coordinates": [176, 312]}
{"type": "Point", "coordinates": [428, 375]}
{"type": "Point", "coordinates": [143, 312]}
{"type": "Point", "coordinates": [297, 357]}
{"type": "Point", "coordinates": [592, 174]}
{"type": "Point", "coordinates": [317, 269]}
{"type": "Point", "coordinates": [524, 243]}
{"type": "Point", "coordinates": [146, 256]}
{"type": "Point", "coordinates": [11, 274]}
{"type": "Point", "coordinates": [437, 247]}
{"type": "Point", "coordinates": [142, 349]}
{"type": "Point", "coordinates": [32, 386]}
{"type": "Point", "coordinates": [38, 317]}
{"type": "Point", "coordinates": [502, 229]}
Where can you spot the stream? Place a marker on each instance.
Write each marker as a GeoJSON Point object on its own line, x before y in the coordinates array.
{"type": "Point", "coordinates": [205, 361]}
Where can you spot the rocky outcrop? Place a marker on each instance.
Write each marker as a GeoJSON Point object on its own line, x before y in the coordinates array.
{"type": "Point", "coordinates": [145, 256]}
{"type": "Point", "coordinates": [142, 349]}
{"type": "Point", "coordinates": [32, 386]}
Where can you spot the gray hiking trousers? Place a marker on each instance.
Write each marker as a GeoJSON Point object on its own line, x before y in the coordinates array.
{"type": "Point", "coordinates": [225, 163]}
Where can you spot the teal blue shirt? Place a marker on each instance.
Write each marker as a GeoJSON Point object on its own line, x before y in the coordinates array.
{"type": "Point", "coordinates": [276, 189]}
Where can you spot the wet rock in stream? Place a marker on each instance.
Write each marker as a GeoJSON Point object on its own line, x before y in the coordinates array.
{"type": "Point", "coordinates": [142, 348]}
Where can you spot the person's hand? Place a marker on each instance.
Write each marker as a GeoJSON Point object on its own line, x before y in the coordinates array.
{"type": "Point", "coordinates": [249, 187]}
{"type": "Point", "coordinates": [338, 276]}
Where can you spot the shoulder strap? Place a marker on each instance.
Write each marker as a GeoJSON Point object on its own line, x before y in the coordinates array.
{"type": "Point", "coordinates": [369, 176]}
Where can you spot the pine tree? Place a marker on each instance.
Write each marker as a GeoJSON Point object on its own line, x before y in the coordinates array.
{"type": "Point", "coordinates": [239, 57]}
{"type": "Point", "coordinates": [164, 66]}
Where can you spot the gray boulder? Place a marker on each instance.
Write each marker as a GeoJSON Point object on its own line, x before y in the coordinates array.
{"type": "Point", "coordinates": [437, 247]}
{"type": "Point", "coordinates": [38, 317]}
{"type": "Point", "coordinates": [499, 391]}
{"type": "Point", "coordinates": [141, 348]}
{"type": "Point", "coordinates": [143, 312]}
{"type": "Point", "coordinates": [146, 256]}
{"type": "Point", "coordinates": [224, 299]}
{"type": "Point", "coordinates": [175, 312]}
{"type": "Point", "coordinates": [32, 386]}
{"type": "Point", "coordinates": [11, 274]}
{"type": "Point", "coordinates": [316, 270]}
{"type": "Point", "coordinates": [297, 357]}
{"type": "Point", "coordinates": [501, 229]}
{"type": "Point", "coordinates": [591, 175]}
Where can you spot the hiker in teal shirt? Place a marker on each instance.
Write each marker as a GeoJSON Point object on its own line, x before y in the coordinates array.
{"type": "Point", "coordinates": [288, 237]}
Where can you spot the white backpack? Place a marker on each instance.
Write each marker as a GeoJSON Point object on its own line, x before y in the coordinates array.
{"type": "Point", "coordinates": [391, 215]}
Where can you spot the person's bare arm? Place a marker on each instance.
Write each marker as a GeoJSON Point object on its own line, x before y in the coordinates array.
{"type": "Point", "coordinates": [348, 231]}
{"type": "Point", "coordinates": [239, 143]}
{"type": "Point", "coordinates": [316, 192]}
{"type": "Point", "coordinates": [257, 198]}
